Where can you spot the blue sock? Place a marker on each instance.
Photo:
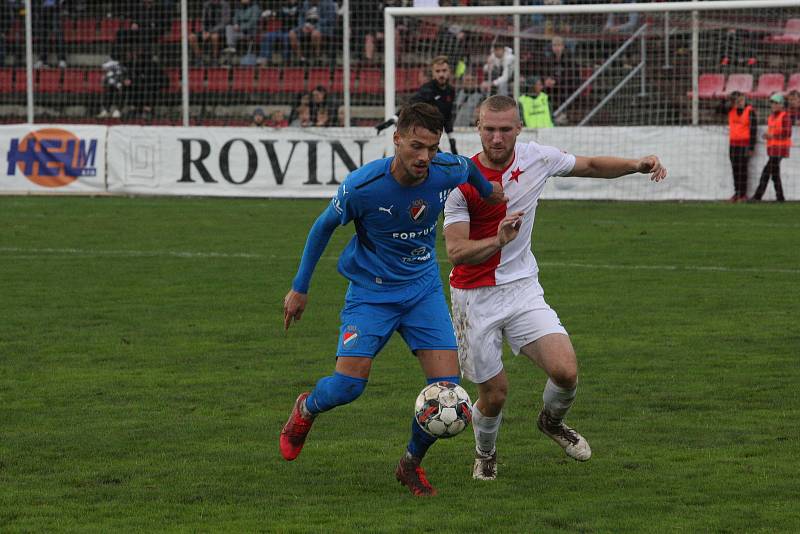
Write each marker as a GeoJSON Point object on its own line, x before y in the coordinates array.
{"type": "Point", "coordinates": [453, 379]}
{"type": "Point", "coordinates": [420, 440]}
{"type": "Point", "coordinates": [333, 391]}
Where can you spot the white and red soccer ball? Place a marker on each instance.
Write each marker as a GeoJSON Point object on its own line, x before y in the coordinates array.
{"type": "Point", "coordinates": [443, 409]}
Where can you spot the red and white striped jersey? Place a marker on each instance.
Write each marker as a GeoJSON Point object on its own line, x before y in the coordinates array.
{"type": "Point", "coordinates": [523, 181]}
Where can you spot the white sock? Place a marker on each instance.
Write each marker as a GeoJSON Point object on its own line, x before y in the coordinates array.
{"type": "Point", "coordinates": [486, 429]}
{"type": "Point", "coordinates": [557, 400]}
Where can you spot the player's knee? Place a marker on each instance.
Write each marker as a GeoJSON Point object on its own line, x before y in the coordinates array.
{"type": "Point", "coordinates": [565, 376]}
{"type": "Point", "coordinates": [335, 390]}
{"type": "Point", "coordinates": [495, 397]}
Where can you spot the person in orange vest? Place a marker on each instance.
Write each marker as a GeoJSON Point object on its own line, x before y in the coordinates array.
{"type": "Point", "coordinates": [742, 134]}
{"type": "Point", "coordinates": [779, 139]}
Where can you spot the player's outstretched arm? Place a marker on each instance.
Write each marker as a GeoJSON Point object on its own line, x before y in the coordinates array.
{"type": "Point", "coordinates": [462, 249]}
{"type": "Point", "coordinates": [610, 167]}
{"type": "Point", "coordinates": [295, 301]}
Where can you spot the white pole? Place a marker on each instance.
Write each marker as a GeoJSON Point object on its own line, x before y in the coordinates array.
{"type": "Point", "coordinates": [29, 59]}
{"type": "Point", "coordinates": [666, 40]}
{"type": "Point", "coordinates": [389, 62]}
{"type": "Point", "coordinates": [346, 62]}
{"type": "Point", "coordinates": [695, 65]}
{"type": "Point", "coordinates": [185, 62]}
{"type": "Point", "coordinates": [517, 53]}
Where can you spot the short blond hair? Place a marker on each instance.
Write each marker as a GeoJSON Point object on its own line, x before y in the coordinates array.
{"type": "Point", "coordinates": [440, 59]}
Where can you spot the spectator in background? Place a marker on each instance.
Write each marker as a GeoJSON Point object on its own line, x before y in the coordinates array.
{"type": "Point", "coordinates": [559, 73]}
{"type": "Point", "coordinates": [46, 21]}
{"type": "Point", "coordinates": [246, 18]}
{"type": "Point", "coordinates": [621, 23]}
{"type": "Point", "coordinates": [779, 141]}
{"type": "Point", "coordinates": [259, 118]}
{"type": "Point", "coordinates": [277, 119]}
{"type": "Point", "coordinates": [468, 98]}
{"type": "Point", "coordinates": [499, 69]}
{"type": "Point", "coordinates": [319, 103]}
{"type": "Point", "coordinates": [323, 118]}
{"type": "Point", "coordinates": [367, 23]}
{"type": "Point", "coordinates": [301, 113]}
{"type": "Point", "coordinates": [317, 22]}
{"type": "Point", "coordinates": [793, 99]}
{"type": "Point", "coordinates": [115, 86]}
{"type": "Point", "coordinates": [215, 17]}
{"type": "Point", "coordinates": [287, 17]}
{"type": "Point", "coordinates": [536, 106]}
{"type": "Point", "coordinates": [148, 21]}
{"type": "Point", "coordinates": [148, 79]}
{"type": "Point", "coordinates": [742, 133]}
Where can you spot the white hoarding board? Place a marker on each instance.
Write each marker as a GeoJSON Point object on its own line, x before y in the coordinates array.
{"type": "Point", "coordinates": [258, 162]}
{"type": "Point", "coordinates": [53, 159]}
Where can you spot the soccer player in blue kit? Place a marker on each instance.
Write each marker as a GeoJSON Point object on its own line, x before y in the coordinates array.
{"type": "Point", "coordinates": [394, 204]}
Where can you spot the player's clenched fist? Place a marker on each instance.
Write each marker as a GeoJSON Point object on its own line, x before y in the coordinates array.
{"type": "Point", "coordinates": [652, 165]}
{"type": "Point", "coordinates": [294, 304]}
{"type": "Point", "coordinates": [508, 228]}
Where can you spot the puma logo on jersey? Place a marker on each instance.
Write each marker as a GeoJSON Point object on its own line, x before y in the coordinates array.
{"type": "Point", "coordinates": [387, 210]}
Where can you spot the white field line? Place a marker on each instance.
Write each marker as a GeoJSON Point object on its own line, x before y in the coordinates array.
{"type": "Point", "coordinates": [20, 252]}
{"type": "Point", "coordinates": [715, 224]}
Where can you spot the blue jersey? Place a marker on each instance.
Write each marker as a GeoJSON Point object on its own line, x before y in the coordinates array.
{"type": "Point", "coordinates": [395, 242]}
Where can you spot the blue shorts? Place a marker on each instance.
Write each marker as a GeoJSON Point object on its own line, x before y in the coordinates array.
{"type": "Point", "coordinates": [424, 322]}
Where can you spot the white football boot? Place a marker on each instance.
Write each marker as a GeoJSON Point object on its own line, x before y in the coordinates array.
{"type": "Point", "coordinates": [485, 466]}
{"type": "Point", "coordinates": [567, 438]}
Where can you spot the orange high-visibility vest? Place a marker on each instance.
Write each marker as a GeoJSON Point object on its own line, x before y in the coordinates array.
{"type": "Point", "coordinates": [739, 125]}
{"type": "Point", "coordinates": [775, 127]}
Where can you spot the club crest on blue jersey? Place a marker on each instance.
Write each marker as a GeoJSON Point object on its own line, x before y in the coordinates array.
{"type": "Point", "coordinates": [417, 210]}
{"type": "Point", "coordinates": [350, 337]}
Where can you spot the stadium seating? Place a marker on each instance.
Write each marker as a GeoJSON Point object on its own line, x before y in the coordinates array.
{"type": "Point", "coordinates": [319, 77]}
{"type": "Point", "coordinates": [338, 81]}
{"type": "Point", "coordinates": [794, 82]}
{"type": "Point", "coordinates": [6, 80]}
{"type": "Point", "coordinates": [768, 84]}
{"type": "Point", "coordinates": [20, 81]}
{"type": "Point", "coordinates": [48, 81]}
{"type": "Point", "coordinates": [407, 79]}
{"type": "Point", "coordinates": [217, 80]}
{"type": "Point", "coordinates": [294, 80]}
{"type": "Point", "coordinates": [74, 81]}
{"type": "Point", "coordinates": [268, 80]}
{"type": "Point", "coordinates": [791, 33]}
{"type": "Point", "coordinates": [710, 85]}
{"type": "Point", "coordinates": [738, 82]}
{"type": "Point", "coordinates": [370, 81]}
{"type": "Point", "coordinates": [244, 80]}
{"type": "Point", "coordinates": [196, 77]}
{"type": "Point", "coordinates": [94, 81]}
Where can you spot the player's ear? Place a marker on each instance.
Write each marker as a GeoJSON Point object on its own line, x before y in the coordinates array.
{"type": "Point", "coordinates": [396, 138]}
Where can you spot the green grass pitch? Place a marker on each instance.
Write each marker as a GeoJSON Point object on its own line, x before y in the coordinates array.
{"type": "Point", "coordinates": [145, 376]}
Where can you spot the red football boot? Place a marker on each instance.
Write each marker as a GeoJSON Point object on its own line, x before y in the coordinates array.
{"type": "Point", "coordinates": [294, 432]}
{"type": "Point", "coordinates": [411, 474]}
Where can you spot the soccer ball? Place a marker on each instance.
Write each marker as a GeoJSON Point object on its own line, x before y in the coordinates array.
{"type": "Point", "coordinates": [443, 409]}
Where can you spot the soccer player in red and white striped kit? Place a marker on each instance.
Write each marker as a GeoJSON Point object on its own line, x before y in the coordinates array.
{"type": "Point", "coordinates": [494, 285]}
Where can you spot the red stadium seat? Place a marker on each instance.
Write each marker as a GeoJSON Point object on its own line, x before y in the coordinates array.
{"type": "Point", "coordinates": [768, 84]}
{"type": "Point", "coordinates": [370, 81]}
{"type": "Point", "coordinates": [74, 81]}
{"type": "Point", "coordinates": [244, 80]}
{"type": "Point", "coordinates": [738, 82]}
{"type": "Point", "coordinates": [6, 80]}
{"type": "Point", "coordinates": [109, 29]}
{"type": "Point", "coordinates": [406, 80]}
{"type": "Point", "coordinates": [196, 77]}
{"type": "Point", "coordinates": [791, 33]}
{"type": "Point", "coordinates": [94, 81]}
{"type": "Point", "coordinates": [49, 81]}
{"type": "Point", "coordinates": [710, 85]}
{"type": "Point", "coordinates": [174, 76]}
{"type": "Point", "coordinates": [20, 81]}
{"type": "Point", "coordinates": [294, 80]}
{"type": "Point", "coordinates": [338, 81]}
{"type": "Point", "coordinates": [268, 81]}
{"type": "Point", "coordinates": [319, 76]}
{"type": "Point", "coordinates": [80, 30]}
{"type": "Point", "coordinates": [174, 35]}
{"type": "Point", "coordinates": [217, 80]}
{"type": "Point", "coordinates": [794, 82]}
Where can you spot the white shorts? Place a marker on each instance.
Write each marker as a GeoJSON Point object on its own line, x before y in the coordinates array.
{"type": "Point", "coordinates": [482, 316]}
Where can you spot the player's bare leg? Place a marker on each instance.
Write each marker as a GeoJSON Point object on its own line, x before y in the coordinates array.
{"type": "Point", "coordinates": [409, 472]}
{"type": "Point", "coordinates": [486, 417]}
{"type": "Point", "coordinates": [351, 374]}
{"type": "Point", "coordinates": [555, 355]}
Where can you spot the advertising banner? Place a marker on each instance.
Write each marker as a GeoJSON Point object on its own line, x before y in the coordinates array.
{"type": "Point", "coordinates": [242, 162]}
{"type": "Point", "coordinates": [53, 159]}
